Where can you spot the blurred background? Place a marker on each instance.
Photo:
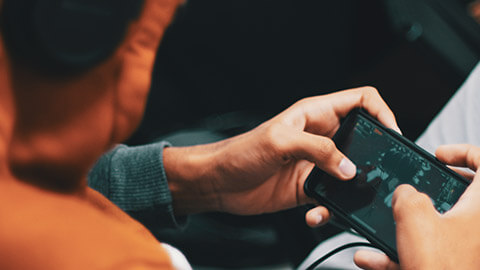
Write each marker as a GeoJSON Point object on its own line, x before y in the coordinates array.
{"type": "Point", "coordinates": [224, 66]}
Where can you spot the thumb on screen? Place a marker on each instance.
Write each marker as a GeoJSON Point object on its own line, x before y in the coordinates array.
{"type": "Point", "coordinates": [323, 152]}
{"type": "Point", "coordinates": [408, 204]}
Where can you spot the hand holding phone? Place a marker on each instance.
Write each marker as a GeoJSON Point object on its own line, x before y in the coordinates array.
{"type": "Point", "coordinates": [384, 161]}
{"type": "Point", "coordinates": [427, 240]}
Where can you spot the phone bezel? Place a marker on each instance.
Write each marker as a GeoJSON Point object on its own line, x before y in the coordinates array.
{"type": "Point", "coordinates": [346, 129]}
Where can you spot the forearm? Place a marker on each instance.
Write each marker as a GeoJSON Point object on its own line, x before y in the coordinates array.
{"type": "Point", "coordinates": [260, 171]}
{"type": "Point", "coordinates": [190, 172]}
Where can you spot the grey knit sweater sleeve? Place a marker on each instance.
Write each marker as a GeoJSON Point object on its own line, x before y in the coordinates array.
{"type": "Point", "coordinates": [134, 179]}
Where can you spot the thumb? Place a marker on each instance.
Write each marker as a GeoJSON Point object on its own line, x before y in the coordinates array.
{"type": "Point", "coordinates": [410, 206]}
{"type": "Point", "coordinates": [323, 152]}
{"type": "Point", "coordinates": [371, 260]}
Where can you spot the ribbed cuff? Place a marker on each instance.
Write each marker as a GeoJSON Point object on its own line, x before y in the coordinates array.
{"type": "Point", "coordinates": [134, 178]}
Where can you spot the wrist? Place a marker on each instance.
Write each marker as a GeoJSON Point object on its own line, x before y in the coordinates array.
{"type": "Point", "coordinates": [190, 171]}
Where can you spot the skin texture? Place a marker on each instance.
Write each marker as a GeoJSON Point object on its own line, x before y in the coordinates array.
{"type": "Point", "coordinates": [264, 170]}
{"type": "Point", "coordinates": [427, 239]}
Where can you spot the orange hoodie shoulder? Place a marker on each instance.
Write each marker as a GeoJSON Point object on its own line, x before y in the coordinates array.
{"type": "Point", "coordinates": [52, 130]}
{"type": "Point", "coordinates": [46, 230]}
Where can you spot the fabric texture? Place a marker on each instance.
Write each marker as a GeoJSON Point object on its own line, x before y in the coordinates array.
{"type": "Point", "coordinates": [134, 179]}
{"type": "Point", "coordinates": [179, 261]}
{"type": "Point", "coordinates": [459, 120]}
{"type": "Point", "coordinates": [52, 130]}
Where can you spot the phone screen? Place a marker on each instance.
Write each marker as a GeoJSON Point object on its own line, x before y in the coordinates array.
{"type": "Point", "coordinates": [383, 162]}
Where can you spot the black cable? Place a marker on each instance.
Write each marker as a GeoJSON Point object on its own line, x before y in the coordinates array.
{"type": "Point", "coordinates": [333, 252]}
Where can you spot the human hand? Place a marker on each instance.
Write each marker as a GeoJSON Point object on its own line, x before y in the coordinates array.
{"type": "Point", "coordinates": [264, 170]}
{"type": "Point", "coordinates": [427, 239]}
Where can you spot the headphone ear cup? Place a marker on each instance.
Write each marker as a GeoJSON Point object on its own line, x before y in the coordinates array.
{"type": "Point", "coordinates": [66, 35]}
{"type": "Point", "coordinates": [18, 35]}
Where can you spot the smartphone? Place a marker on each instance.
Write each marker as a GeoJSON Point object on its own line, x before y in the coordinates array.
{"type": "Point", "coordinates": [384, 160]}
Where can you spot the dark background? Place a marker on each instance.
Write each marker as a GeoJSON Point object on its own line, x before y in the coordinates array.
{"type": "Point", "coordinates": [224, 66]}
{"type": "Point", "coordinates": [256, 57]}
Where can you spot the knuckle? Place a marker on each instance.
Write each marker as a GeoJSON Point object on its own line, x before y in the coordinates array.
{"type": "Point", "coordinates": [370, 90]}
{"type": "Point", "coordinates": [302, 102]}
{"type": "Point", "coordinates": [402, 197]}
{"type": "Point", "coordinates": [275, 138]}
{"type": "Point", "coordinates": [416, 201]}
{"type": "Point", "coordinates": [328, 155]}
{"type": "Point", "coordinates": [401, 190]}
{"type": "Point", "coordinates": [473, 156]}
{"type": "Point", "coordinates": [270, 135]}
{"type": "Point", "coordinates": [422, 200]}
{"type": "Point", "coordinates": [328, 147]}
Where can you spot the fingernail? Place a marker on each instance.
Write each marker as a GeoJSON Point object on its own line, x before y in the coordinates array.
{"type": "Point", "coordinates": [347, 168]}
{"type": "Point", "coordinates": [318, 219]}
{"type": "Point", "coordinates": [373, 257]}
{"type": "Point", "coordinates": [397, 129]}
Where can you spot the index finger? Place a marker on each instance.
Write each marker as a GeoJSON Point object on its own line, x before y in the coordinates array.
{"type": "Point", "coordinates": [367, 98]}
{"type": "Point", "coordinates": [463, 155]}
{"type": "Point", "coordinates": [467, 156]}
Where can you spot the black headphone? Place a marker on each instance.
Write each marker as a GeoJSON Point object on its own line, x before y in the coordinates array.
{"type": "Point", "coordinates": [66, 35]}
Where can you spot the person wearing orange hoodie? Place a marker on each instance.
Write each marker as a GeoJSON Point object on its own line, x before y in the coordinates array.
{"type": "Point", "coordinates": [65, 100]}
{"type": "Point", "coordinates": [54, 124]}
{"type": "Point", "coordinates": [60, 111]}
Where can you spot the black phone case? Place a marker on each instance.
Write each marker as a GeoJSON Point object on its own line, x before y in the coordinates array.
{"type": "Point", "coordinates": [310, 183]}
